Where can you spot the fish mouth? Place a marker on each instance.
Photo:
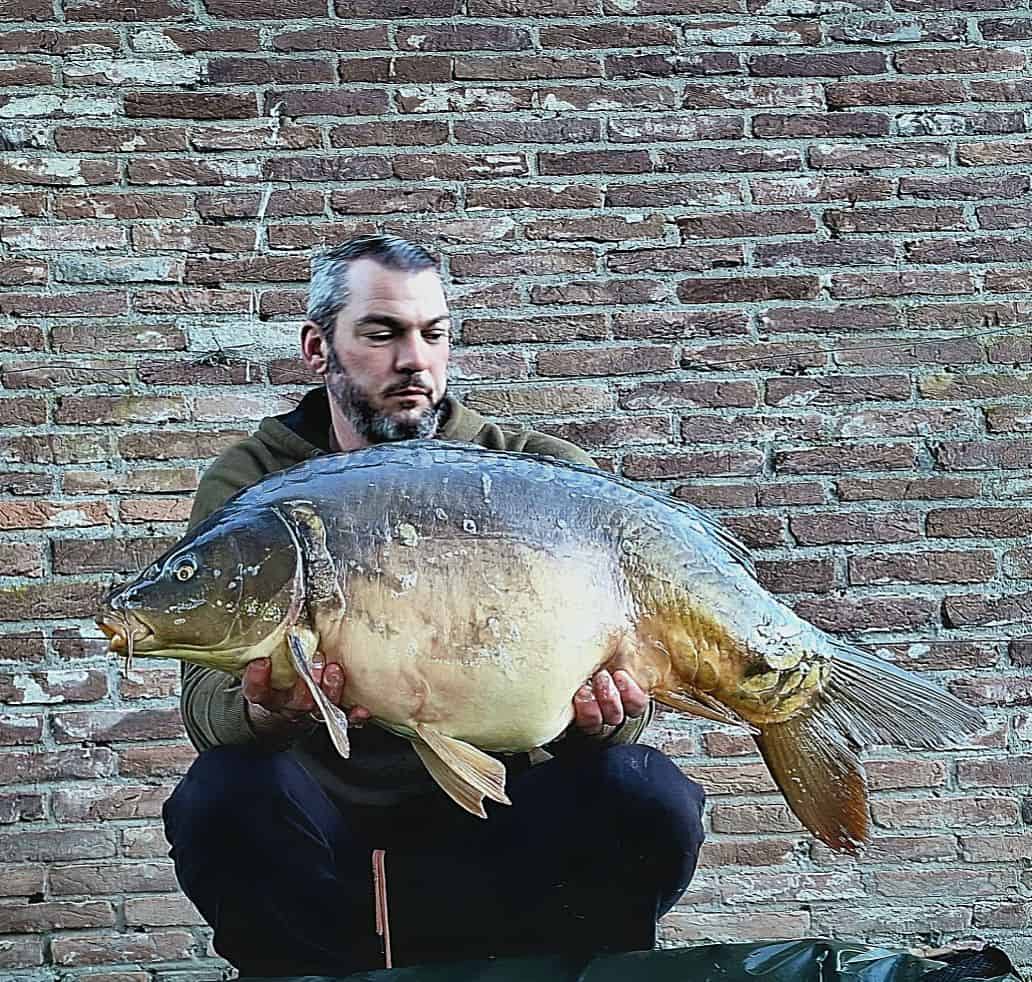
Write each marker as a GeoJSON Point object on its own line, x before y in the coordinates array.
{"type": "Point", "coordinates": [123, 636]}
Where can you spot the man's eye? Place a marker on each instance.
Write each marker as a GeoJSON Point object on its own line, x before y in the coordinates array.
{"type": "Point", "coordinates": [380, 336]}
{"type": "Point", "coordinates": [435, 335]}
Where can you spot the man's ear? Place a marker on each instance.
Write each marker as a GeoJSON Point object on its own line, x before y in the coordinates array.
{"type": "Point", "coordinates": [313, 348]}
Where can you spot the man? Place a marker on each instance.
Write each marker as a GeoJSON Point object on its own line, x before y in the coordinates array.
{"type": "Point", "coordinates": [272, 831]}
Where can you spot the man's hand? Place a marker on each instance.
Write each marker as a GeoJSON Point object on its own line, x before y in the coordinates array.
{"type": "Point", "coordinates": [607, 701]}
{"type": "Point", "coordinates": [275, 710]}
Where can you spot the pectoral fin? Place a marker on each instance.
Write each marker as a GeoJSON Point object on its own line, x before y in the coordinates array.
{"type": "Point", "coordinates": [302, 644]}
{"type": "Point", "coordinates": [699, 704]}
{"type": "Point", "coordinates": [463, 768]}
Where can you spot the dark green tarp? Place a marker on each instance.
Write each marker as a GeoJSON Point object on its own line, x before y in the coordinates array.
{"type": "Point", "coordinates": [812, 960]}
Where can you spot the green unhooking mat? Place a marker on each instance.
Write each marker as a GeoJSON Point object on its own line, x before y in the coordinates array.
{"type": "Point", "coordinates": [811, 960]}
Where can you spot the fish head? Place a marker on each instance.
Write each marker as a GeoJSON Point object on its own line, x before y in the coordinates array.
{"type": "Point", "coordinates": [220, 597]}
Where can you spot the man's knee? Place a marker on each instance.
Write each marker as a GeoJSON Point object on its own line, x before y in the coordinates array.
{"type": "Point", "coordinates": [655, 793]}
{"type": "Point", "coordinates": [224, 784]}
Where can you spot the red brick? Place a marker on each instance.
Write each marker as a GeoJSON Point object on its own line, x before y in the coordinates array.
{"type": "Point", "coordinates": [330, 37]}
{"type": "Point", "coordinates": [510, 330]}
{"type": "Point", "coordinates": [747, 289]}
{"type": "Point", "coordinates": [757, 531]}
{"type": "Point", "coordinates": [802, 190]}
{"type": "Point", "coordinates": [976, 566]}
{"type": "Point", "coordinates": [956, 61]}
{"type": "Point", "coordinates": [969, 188]}
{"type": "Point", "coordinates": [719, 94]}
{"type": "Point", "coordinates": [520, 67]}
{"type": "Point", "coordinates": [827, 527]}
{"type": "Point", "coordinates": [143, 11]}
{"type": "Point", "coordinates": [87, 338]}
{"type": "Point", "coordinates": [257, 71]}
{"type": "Point", "coordinates": [564, 98]}
{"type": "Point", "coordinates": [893, 30]}
{"type": "Point", "coordinates": [606, 361]}
{"type": "Point", "coordinates": [117, 948]}
{"type": "Point", "coordinates": [151, 762]}
{"type": "Point", "coordinates": [950, 883]}
{"type": "Point", "coordinates": [728, 160]}
{"type": "Point", "coordinates": [190, 40]}
{"type": "Point", "coordinates": [842, 459]}
{"type": "Point", "coordinates": [263, 9]}
{"type": "Point", "coordinates": [824, 320]}
{"type": "Point", "coordinates": [994, 29]}
{"type": "Point", "coordinates": [797, 576]}
{"type": "Point", "coordinates": [176, 171]}
{"type": "Point", "coordinates": [45, 600]}
{"type": "Point", "coordinates": [48, 375]}
{"type": "Point", "coordinates": [595, 162]}
{"type": "Point", "coordinates": [710, 463]}
{"type": "Point", "coordinates": [820, 65]}
{"type": "Point", "coordinates": [836, 252]}
{"type": "Point", "coordinates": [672, 325]}
{"type": "Point", "coordinates": [91, 879]}
{"type": "Point", "coordinates": [137, 139]}
{"type": "Point", "coordinates": [840, 616]}
{"type": "Point", "coordinates": [38, 766]}
{"type": "Point", "coordinates": [987, 385]}
{"type": "Point", "coordinates": [917, 354]}
{"type": "Point", "coordinates": [999, 90]}
{"type": "Point", "coordinates": [670, 66]}
{"type": "Point", "coordinates": [907, 489]}
{"type": "Point", "coordinates": [907, 422]}
{"type": "Point", "coordinates": [751, 428]}
{"type": "Point", "coordinates": [57, 844]}
{"type": "Point", "coordinates": [868, 920]}
{"type": "Point", "coordinates": [161, 911]}
{"type": "Point", "coordinates": [1003, 915]}
{"type": "Point", "coordinates": [612, 431]}
{"type": "Point", "coordinates": [53, 915]}
{"type": "Point", "coordinates": [757, 886]}
{"type": "Point", "coordinates": [153, 509]}
{"type": "Point", "coordinates": [994, 692]}
{"type": "Point", "coordinates": [1005, 454]}
{"type": "Point", "coordinates": [641, 291]}
{"type": "Point", "coordinates": [750, 818]}
{"type": "Point", "coordinates": [972, 250]}
{"type": "Point", "coordinates": [693, 258]}
{"type": "Point", "coordinates": [104, 803]}
{"type": "Point", "coordinates": [604, 229]}
{"type": "Point", "coordinates": [122, 555]}
{"type": "Point", "coordinates": [22, 952]}
{"type": "Point", "coordinates": [899, 849]}
{"type": "Point", "coordinates": [122, 206]}
{"type": "Point", "coordinates": [716, 495]}
{"type": "Point", "coordinates": [689, 395]}
{"type": "Point", "coordinates": [1010, 772]}
{"type": "Point", "coordinates": [850, 286]}
{"type": "Point", "coordinates": [144, 841]}
{"type": "Point", "coordinates": [20, 728]}
{"type": "Point", "coordinates": [905, 92]}
{"type": "Point", "coordinates": [774, 495]}
{"type": "Point", "coordinates": [190, 105]}
{"type": "Point", "coordinates": [782, 126]}
{"type": "Point", "coordinates": [881, 220]}
{"type": "Point", "coordinates": [20, 807]}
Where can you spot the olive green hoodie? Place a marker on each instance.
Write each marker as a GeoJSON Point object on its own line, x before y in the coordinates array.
{"type": "Point", "coordinates": [383, 769]}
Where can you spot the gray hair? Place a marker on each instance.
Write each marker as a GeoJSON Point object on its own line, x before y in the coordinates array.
{"type": "Point", "coordinates": [328, 292]}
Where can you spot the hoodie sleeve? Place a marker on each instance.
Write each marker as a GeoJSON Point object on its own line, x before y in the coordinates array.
{"type": "Point", "coordinates": [211, 701]}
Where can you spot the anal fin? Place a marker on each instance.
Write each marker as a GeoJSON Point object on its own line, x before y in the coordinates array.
{"type": "Point", "coordinates": [471, 766]}
{"type": "Point", "coordinates": [821, 778]}
{"type": "Point", "coordinates": [698, 704]}
{"type": "Point", "coordinates": [334, 717]}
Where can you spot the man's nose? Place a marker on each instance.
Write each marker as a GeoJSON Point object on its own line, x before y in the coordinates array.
{"type": "Point", "coordinates": [412, 354]}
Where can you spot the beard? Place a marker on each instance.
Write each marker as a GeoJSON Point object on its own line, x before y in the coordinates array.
{"type": "Point", "coordinates": [370, 423]}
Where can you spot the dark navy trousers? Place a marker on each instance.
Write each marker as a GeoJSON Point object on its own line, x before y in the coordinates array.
{"type": "Point", "coordinates": [594, 849]}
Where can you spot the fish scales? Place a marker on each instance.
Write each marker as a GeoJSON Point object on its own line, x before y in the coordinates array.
{"type": "Point", "coordinates": [469, 593]}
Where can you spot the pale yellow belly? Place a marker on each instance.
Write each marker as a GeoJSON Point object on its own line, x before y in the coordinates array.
{"type": "Point", "coordinates": [486, 641]}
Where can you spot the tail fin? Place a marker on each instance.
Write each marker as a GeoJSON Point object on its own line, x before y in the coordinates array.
{"type": "Point", "coordinates": [866, 701]}
{"type": "Point", "coordinates": [873, 701]}
{"type": "Point", "coordinates": [821, 778]}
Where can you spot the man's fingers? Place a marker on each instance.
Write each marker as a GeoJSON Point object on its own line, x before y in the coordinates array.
{"type": "Point", "coordinates": [609, 699]}
{"type": "Point", "coordinates": [587, 715]}
{"type": "Point", "coordinates": [635, 701]}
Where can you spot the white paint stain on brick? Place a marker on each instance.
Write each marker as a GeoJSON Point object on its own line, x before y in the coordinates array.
{"type": "Point", "coordinates": [179, 71]}
{"type": "Point", "coordinates": [33, 692]}
{"type": "Point", "coordinates": [53, 105]}
{"type": "Point", "coordinates": [65, 167]}
{"type": "Point", "coordinates": [154, 42]}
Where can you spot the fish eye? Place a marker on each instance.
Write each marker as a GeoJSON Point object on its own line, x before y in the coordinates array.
{"type": "Point", "coordinates": [184, 570]}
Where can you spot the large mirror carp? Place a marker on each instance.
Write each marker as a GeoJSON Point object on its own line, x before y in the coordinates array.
{"type": "Point", "coordinates": [469, 593]}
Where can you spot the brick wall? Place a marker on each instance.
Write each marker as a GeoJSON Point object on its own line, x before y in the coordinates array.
{"type": "Point", "coordinates": [772, 258]}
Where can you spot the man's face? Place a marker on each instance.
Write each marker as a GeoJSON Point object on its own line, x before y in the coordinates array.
{"type": "Point", "coordinates": [386, 371]}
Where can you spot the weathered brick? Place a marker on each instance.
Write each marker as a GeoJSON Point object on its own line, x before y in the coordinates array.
{"type": "Point", "coordinates": [877, 921]}
{"type": "Point", "coordinates": [730, 160]}
{"type": "Point", "coordinates": [750, 818]}
{"type": "Point", "coordinates": [757, 886]}
{"type": "Point", "coordinates": [840, 616]}
{"type": "Point", "coordinates": [1004, 186]}
{"type": "Point", "coordinates": [55, 686]}
{"type": "Point", "coordinates": [689, 395]}
{"type": "Point", "coordinates": [1003, 914]}
{"type": "Point", "coordinates": [575, 327]}
{"type": "Point", "coordinates": [907, 489]}
{"type": "Point", "coordinates": [118, 948]}
{"type": "Point", "coordinates": [163, 911]}
{"type": "Point", "coordinates": [102, 803]}
{"type": "Point", "coordinates": [720, 94]}
{"type": "Point", "coordinates": [976, 566]}
{"type": "Point", "coordinates": [751, 428]}
{"type": "Point", "coordinates": [994, 692]}
{"type": "Point", "coordinates": [671, 325]}
{"type": "Point", "coordinates": [950, 883]}
{"type": "Point", "coordinates": [57, 844]}
{"type": "Point", "coordinates": [23, 952]}
{"type": "Point", "coordinates": [142, 10]}
{"type": "Point", "coordinates": [827, 527]}
{"type": "Point", "coordinates": [587, 97]}
{"type": "Point", "coordinates": [111, 724]}
{"type": "Point", "coordinates": [820, 65]}
{"type": "Point", "coordinates": [601, 292]}
{"type": "Point", "coordinates": [839, 459]}
{"type": "Point", "coordinates": [904, 92]}
{"type": "Point", "coordinates": [836, 252]}
{"type": "Point", "coordinates": [955, 61]}
{"type": "Point", "coordinates": [606, 361]}
{"type": "Point", "coordinates": [610, 229]}
{"type": "Point", "coordinates": [747, 289]}
{"type": "Point", "coordinates": [797, 576]}
{"type": "Point", "coordinates": [706, 463]}
{"type": "Point", "coordinates": [971, 250]}
{"type": "Point", "coordinates": [716, 495]}
{"type": "Point", "coordinates": [612, 431]}
{"type": "Point", "coordinates": [87, 338]}
{"type": "Point", "coordinates": [55, 915]}
{"type": "Point", "coordinates": [16, 729]}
